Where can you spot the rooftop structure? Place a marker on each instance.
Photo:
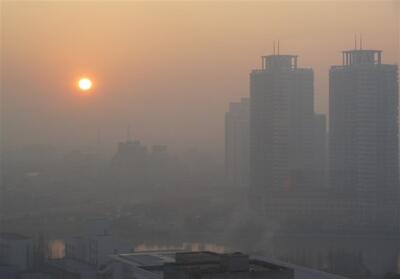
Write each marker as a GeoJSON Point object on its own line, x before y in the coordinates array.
{"type": "Point", "coordinates": [286, 62]}
{"type": "Point", "coordinates": [361, 56]}
{"type": "Point", "coordinates": [12, 236]}
{"type": "Point", "coordinates": [70, 268]}
{"type": "Point", "coordinates": [173, 264]}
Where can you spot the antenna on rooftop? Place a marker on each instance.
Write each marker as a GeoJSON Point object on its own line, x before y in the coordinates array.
{"type": "Point", "coordinates": [278, 47]}
{"type": "Point", "coordinates": [355, 40]}
{"type": "Point", "coordinates": [361, 41]}
{"type": "Point", "coordinates": [274, 47]}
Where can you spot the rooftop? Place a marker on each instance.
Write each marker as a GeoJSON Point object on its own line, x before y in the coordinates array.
{"type": "Point", "coordinates": [169, 264]}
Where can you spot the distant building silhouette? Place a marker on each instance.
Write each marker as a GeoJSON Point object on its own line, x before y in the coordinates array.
{"type": "Point", "coordinates": [281, 127]}
{"type": "Point", "coordinates": [130, 164]}
{"type": "Point", "coordinates": [161, 165]}
{"type": "Point", "coordinates": [364, 136]}
{"type": "Point", "coordinates": [237, 143]}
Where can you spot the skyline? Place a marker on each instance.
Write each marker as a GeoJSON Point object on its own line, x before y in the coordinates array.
{"type": "Point", "coordinates": [266, 127]}
{"type": "Point", "coordinates": [133, 77]}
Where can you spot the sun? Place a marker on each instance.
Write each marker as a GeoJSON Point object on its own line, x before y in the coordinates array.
{"type": "Point", "coordinates": [85, 84]}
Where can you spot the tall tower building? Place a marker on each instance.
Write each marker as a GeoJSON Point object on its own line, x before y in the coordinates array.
{"type": "Point", "coordinates": [363, 118]}
{"type": "Point", "coordinates": [237, 143]}
{"type": "Point", "coordinates": [281, 126]}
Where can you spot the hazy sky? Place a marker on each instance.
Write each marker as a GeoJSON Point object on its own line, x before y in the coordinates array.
{"type": "Point", "coordinates": [167, 69]}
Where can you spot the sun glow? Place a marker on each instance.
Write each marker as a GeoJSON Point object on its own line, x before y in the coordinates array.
{"type": "Point", "coordinates": [85, 84]}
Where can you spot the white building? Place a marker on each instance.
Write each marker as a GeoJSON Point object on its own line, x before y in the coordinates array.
{"type": "Point", "coordinates": [16, 250]}
{"type": "Point", "coordinates": [95, 246]}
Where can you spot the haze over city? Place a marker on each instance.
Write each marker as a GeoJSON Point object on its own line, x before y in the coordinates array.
{"type": "Point", "coordinates": [199, 139]}
{"type": "Point", "coordinates": [166, 69]}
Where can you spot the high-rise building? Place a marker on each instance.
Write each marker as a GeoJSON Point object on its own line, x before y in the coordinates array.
{"type": "Point", "coordinates": [281, 126]}
{"type": "Point", "coordinates": [237, 143]}
{"type": "Point", "coordinates": [364, 134]}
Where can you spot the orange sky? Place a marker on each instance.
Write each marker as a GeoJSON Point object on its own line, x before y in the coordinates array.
{"type": "Point", "coordinates": [167, 69]}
